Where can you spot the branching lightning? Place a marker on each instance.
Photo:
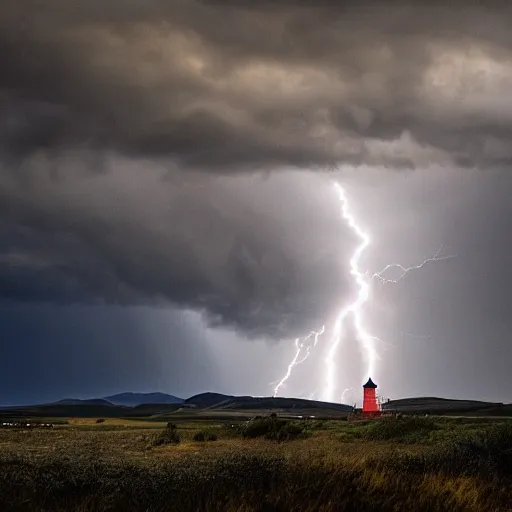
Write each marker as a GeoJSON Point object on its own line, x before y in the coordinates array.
{"type": "Point", "coordinates": [353, 309]}
{"type": "Point", "coordinates": [345, 392]}
{"type": "Point", "coordinates": [406, 270]}
{"type": "Point", "coordinates": [301, 347]}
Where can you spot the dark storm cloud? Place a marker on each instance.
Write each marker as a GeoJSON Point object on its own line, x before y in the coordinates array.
{"type": "Point", "coordinates": [260, 255]}
{"type": "Point", "coordinates": [119, 116]}
{"type": "Point", "coordinates": [232, 84]}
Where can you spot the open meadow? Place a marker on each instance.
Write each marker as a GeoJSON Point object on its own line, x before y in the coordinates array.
{"type": "Point", "coordinates": [267, 464]}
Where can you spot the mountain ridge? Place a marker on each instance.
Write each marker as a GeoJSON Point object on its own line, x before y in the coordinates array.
{"type": "Point", "coordinates": [132, 399]}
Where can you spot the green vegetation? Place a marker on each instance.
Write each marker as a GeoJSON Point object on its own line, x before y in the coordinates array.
{"type": "Point", "coordinates": [399, 464]}
{"type": "Point", "coordinates": [201, 436]}
{"type": "Point", "coordinates": [168, 436]}
{"type": "Point", "coordinates": [412, 429]}
{"type": "Point", "coordinates": [273, 428]}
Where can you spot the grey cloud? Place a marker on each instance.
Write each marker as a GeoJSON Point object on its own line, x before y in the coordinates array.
{"type": "Point", "coordinates": [230, 85]}
{"type": "Point", "coordinates": [119, 117]}
{"type": "Point", "coordinates": [260, 255]}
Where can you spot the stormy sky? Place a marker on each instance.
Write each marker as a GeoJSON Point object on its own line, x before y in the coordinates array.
{"type": "Point", "coordinates": [167, 214]}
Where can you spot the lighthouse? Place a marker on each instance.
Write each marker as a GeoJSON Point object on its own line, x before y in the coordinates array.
{"type": "Point", "coordinates": [370, 404]}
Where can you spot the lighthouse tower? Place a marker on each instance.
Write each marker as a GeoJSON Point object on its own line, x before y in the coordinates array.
{"type": "Point", "coordinates": [370, 404]}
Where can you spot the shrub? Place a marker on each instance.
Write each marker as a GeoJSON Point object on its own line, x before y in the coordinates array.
{"type": "Point", "coordinates": [199, 436]}
{"type": "Point", "coordinates": [273, 428]}
{"type": "Point", "coordinates": [486, 454]}
{"type": "Point", "coordinates": [257, 428]}
{"type": "Point", "coordinates": [411, 428]}
{"type": "Point", "coordinates": [168, 436]}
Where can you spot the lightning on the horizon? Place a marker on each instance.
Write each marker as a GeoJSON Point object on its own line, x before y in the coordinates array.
{"type": "Point", "coordinates": [355, 308]}
{"type": "Point", "coordinates": [345, 391]}
{"type": "Point", "coordinates": [299, 346]}
{"type": "Point", "coordinates": [364, 288]}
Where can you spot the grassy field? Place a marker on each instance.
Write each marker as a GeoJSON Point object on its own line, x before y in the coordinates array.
{"type": "Point", "coordinates": [415, 463]}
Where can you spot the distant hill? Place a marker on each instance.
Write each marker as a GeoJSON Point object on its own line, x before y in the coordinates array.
{"type": "Point", "coordinates": [134, 399]}
{"type": "Point", "coordinates": [63, 410]}
{"type": "Point", "coordinates": [255, 403]}
{"type": "Point", "coordinates": [207, 400]}
{"type": "Point", "coordinates": [502, 410]}
{"type": "Point", "coordinates": [437, 405]}
{"type": "Point", "coordinates": [76, 401]}
{"type": "Point", "coordinates": [151, 410]}
{"type": "Point", "coordinates": [219, 401]}
{"type": "Point", "coordinates": [163, 406]}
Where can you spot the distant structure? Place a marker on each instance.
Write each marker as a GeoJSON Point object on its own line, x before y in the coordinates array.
{"type": "Point", "coordinates": [370, 403]}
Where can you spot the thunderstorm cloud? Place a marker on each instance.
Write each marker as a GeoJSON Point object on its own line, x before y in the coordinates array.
{"type": "Point", "coordinates": [159, 151]}
{"type": "Point", "coordinates": [231, 85]}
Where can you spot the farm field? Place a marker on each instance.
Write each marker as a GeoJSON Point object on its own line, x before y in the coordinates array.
{"type": "Point", "coordinates": [267, 464]}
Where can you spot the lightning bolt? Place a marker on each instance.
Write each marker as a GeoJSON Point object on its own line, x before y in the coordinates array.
{"type": "Point", "coordinates": [406, 270]}
{"type": "Point", "coordinates": [299, 346]}
{"type": "Point", "coordinates": [353, 309]}
{"type": "Point", "coordinates": [345, 391]}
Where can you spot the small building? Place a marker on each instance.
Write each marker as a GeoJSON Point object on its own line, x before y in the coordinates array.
{"type": "Point", "coordinates": [370, 403]}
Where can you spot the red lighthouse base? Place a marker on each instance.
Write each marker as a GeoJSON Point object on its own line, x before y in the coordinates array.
{"type": "Point", "coordinates": [370, 404]}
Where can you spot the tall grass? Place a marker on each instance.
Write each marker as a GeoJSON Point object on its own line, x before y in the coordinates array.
{"type": "Point", "coordinates": [234, 482]}
{"type": "Point", "coordinates": [486, 454]}
{"type": "Point", "coordinates": [471, 473]}
{"type": "Point", "coordinates": [274, 429]}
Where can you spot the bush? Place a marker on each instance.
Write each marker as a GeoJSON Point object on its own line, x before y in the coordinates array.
{"type": "Point", "coordinates": [411, 428]}
{"type": "Point", "coordinates": [488, 452]}
{"type": "Point", "coordinates": [201, 436]}
{"type": "Point", "coordinates": [485, 454]}
{"type": "Point", "coordinates": [168, 436]}
{"type": "Point", "coordinates": [273, 428]}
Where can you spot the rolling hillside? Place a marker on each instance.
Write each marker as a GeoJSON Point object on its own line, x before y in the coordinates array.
{"type": "Point", "coordinates": [76, 401]}
{"type": "Point", "coordinates": [63, 410]}
{"type": "Point", "coordinates": [145, 410]}
{"type": "Point", "coordinates": [254, 403]}
{"type": "Point", "coordinates": [217, 405]}
{"type": "Point", "coordinates": [437, 405]}
{"type": "Point", "coordinates": [134, 399]}
{"type": "Point", "coordinates": [207, 400]}
{"type": "Point", "coordinates": [219, 402]}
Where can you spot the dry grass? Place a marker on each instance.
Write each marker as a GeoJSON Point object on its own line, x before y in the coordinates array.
{"type": "Point", "coordinates": [86, 467]}
{"type": "Point", "coordinates": [114, 422]}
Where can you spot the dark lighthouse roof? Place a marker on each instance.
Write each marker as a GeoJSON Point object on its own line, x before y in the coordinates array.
{"type": "Point", "coordinates": [370, 384]}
